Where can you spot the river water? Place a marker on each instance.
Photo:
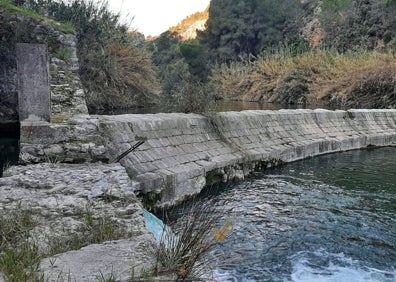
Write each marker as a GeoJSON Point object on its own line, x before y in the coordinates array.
{"type": "Point", "coordinates": [219, 106]}
{"type": "Point", "coordinates": [329, 218]}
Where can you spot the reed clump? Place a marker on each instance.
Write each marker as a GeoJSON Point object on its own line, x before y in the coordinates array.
{"type": "Point", "coordinates": [351, 79]}
{"type": "Point", "coordinates": [184, 253]}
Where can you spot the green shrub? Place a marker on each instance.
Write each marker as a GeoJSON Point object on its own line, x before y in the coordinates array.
{"type": "Point", "coordinates": [67, 28]}
{"type": "Point", "coordinates": [64, 54]}
{"type": "Point", "coordinates": [192, 97]}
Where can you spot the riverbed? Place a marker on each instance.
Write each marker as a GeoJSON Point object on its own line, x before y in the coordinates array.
{"type": "Point", "coordinates": [219, 106]}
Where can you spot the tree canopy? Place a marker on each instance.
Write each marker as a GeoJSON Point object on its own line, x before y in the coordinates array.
{"type": "Point", "coordinates": [240, 27]}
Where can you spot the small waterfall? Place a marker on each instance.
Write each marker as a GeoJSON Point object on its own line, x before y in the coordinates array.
{"type": "Point", "coordinates": [156, 226]}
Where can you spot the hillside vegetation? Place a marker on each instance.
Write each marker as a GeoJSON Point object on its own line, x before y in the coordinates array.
{"type": "Point", "coordinates": [114, 71]}
{"type": "Point", "coordinates": [337, 52]}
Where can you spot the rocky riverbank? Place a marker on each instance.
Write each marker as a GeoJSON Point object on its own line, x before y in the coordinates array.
{"type": "Point", "coordinates": [73, 203]}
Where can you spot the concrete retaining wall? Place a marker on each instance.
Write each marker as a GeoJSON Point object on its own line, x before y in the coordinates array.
{"type": "Point", "coordinates": [184, 152]}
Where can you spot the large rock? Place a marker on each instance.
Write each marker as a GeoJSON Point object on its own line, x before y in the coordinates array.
{"type": "Point", "coordinates": [121, 260]}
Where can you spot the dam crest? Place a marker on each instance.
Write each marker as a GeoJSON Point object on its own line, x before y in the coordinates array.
{"type": "Point", "coordinates": [183, 153]}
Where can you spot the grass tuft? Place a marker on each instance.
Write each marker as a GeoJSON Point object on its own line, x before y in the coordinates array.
{"type": "Point", "coordinates": [64, 54]}
{"type": "Point", "coordinates": [96, 229]}
{"type": "Point", "coordinates": [19, 257]}
{"type": "Point", "coordinates": [184, 254]}
{"type": "Point", "coordinates": [67, 28]}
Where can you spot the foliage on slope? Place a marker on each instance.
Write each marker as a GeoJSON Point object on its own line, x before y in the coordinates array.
{"type": "Point", "coordinates": [244, 27]}
{"type": "Point", "coordinates": [358, 24]}
{"type": "Point", "coordinates": [114, 71]}
{"type": "Point", "coordinates": [358, 72]}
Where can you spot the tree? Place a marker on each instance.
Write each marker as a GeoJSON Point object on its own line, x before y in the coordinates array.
{"type": "Point", "coordinates": [358, 24]}
{"type": "Point", "coordinates": [196, 58]}
{"type": "Point", "coordinates": [241, 27]}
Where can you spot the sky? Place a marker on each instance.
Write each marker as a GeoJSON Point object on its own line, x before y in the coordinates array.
{"type": "Point", "coordinates": [152, 17]}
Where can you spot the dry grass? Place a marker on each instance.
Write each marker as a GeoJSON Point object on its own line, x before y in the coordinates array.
{"type": "Point", "coordinates": [317, 75]}
{"type": "Point", "coordinates": [20, 256]}
{"type": "Point", "coordinates": [184, 254]}
{"type": "Point", "coordinates": [126, 77]}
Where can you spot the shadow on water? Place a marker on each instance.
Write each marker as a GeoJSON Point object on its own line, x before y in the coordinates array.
{"type": "Point", "coordinates": [9, 145]}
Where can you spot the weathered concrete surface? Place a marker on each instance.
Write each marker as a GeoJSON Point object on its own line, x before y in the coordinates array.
{"type": "Point", "coordinates": [121, 260]}
{"type": "Point", "coordinates": [59, 195]}
{"type": "Point", "coordinates": [33, 82]}
{"type": "Point", "coordinates": [184, 151]}
{"type": "Point", "coordinates": [179, 150]}
{"type": "Point", "coordinates": [76, 141]}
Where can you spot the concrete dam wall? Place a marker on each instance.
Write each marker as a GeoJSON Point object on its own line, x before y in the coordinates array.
{"type": "Point", "coordinates": [185, 152]}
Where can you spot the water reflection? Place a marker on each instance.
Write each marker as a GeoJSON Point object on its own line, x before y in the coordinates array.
{"type": "Point", "coordinates": [220, 106]}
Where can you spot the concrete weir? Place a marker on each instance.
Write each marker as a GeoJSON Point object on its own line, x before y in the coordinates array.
{"type": "Point", "coordinates": [185, 152]}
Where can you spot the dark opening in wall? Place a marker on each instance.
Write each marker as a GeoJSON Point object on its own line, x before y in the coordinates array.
{"type": "Point", "coordinates": [9, 145]}
{"type": "Point", "coordinates": [8, 85]}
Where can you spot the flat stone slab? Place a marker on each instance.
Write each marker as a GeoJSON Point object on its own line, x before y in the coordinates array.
{"type": "Point", "coordinates": [33, 82]}
{"type": "Point", "coordinates": [123, 260]}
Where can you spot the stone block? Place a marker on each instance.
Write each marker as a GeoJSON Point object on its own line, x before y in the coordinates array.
{"type": "Point", "coordinates": [33, 82]}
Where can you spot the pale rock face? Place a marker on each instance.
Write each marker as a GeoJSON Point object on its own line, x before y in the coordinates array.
{"type": "Point", "coordinates": [191, 31]}
{"type": "Point", "coordinates": [59, 195]}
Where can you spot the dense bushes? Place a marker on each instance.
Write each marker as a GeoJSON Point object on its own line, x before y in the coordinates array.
{"type": "Point", "coordinates": [114, 71]}
{"type": "Point", "coordinates": [358, 24]}
{"type": "Point", "coordinates": [351, 75]}
{"type": "Point", "coordinates": [239, 28]}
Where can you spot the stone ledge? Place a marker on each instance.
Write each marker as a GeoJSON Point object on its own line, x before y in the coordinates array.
{"type": "Point", "coordinates": [236, 141]}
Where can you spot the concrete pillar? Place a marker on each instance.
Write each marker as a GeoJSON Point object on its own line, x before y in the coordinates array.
{"type": "Point", "coordinates": [33, 83]}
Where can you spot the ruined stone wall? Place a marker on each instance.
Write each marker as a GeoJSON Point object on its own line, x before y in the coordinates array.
{"type": "Point", "coordinates": [67, 95]}
{"type": "Point", "coordinates": [185, 152]}
{"type": "Point", "coordinates": [8, 90]}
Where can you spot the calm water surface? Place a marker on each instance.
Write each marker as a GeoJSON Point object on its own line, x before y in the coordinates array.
{"type": "Point", "coordinates": [329, 218]}
{"type": "Point", "coordinates": [221, 106]}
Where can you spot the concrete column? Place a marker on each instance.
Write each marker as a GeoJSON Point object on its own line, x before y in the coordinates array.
{"type": "Point", "coordinates": [33, 83]}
